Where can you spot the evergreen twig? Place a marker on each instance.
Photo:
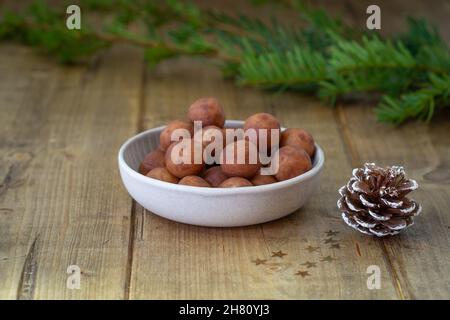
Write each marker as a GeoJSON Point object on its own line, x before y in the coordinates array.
{"type": "Point", "coordinates": [325, 57]}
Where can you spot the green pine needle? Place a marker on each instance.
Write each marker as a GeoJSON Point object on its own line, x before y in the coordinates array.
{"type": "Point", "coordinates": [420, 104]}
{"type": "Point", "coordinates": [325, 57]}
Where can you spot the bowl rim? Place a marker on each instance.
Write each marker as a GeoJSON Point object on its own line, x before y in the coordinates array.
{"type": "Point", "coordinates": [316, 169]}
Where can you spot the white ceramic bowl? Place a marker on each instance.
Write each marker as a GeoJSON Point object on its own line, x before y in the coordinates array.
{"type": "Point", "coordinates": [213, 207]}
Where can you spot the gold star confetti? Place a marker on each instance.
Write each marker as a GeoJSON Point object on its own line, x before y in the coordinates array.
{"type": "Point", "coordinates": [331, 233]}
{"type": "Point", "coordinates": [328, 259]}
{"type": "Point", "coordinates": [259, 261]}
{"type": "Point", "coordinates": [311, 248]}
{"type": "Point", "coordinates": [302, 273]}
{"type": "Point", "coordinates": [309, 264]}
{"type": "Point", "coordinates": [278, 254]}
{"type": "Point", "coordinates": [330, 240]}
{"type": "Point", "coordinates": [335, 246]}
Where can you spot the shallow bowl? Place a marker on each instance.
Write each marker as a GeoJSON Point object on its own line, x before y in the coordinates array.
{"type": "Point", "coordinates": [213, 207]}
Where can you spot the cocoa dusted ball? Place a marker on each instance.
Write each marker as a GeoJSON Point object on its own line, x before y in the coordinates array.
{"type": "Point", "coordinates": [298, 138]}
{"type": "Point", "coordinates": [214, 176]}
{"type": "Point", "coordinates": [260, 121]}
{"type": "Point", "coordinates": [232, 135]}
{"type": "Point", "coordinates": [208, 111]}
{"type": "Point", "coordinates": [180, 164]}
{"type": "Point", "coordinates": [260, 180]}
{"type": "Point", "coordinates": [210, 159]}
{"type": "Point", "coordinates": [291, 162]}
{"type": "Point", "coordinates": [213, 141]}
{"type": "Point", "coordinates": [234, 167]}
{"type": "Point", "coordinates": [162, 174]}
{"type": "Point", "coordinates": [165, 136]}
{"type": "Point", "coordinates": [209, 135]}
{"type": "Point", "coordinates": [154, 159]}
{"type": "Point", "coordinates": [235, 182]}
{"type": "Point", "coordinates": [194, 181]}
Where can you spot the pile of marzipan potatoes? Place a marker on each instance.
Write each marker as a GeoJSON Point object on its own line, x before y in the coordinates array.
{"type": "Point", "coordinates": [294, 154]}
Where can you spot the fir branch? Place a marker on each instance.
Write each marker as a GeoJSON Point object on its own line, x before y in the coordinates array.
{"type": "Point", "coordinates": [293, 69]}
{"type": "Point", "coordinates": [363, 67]}
{"type": "Point", "coordinates": [44, 29]}
{"type": "Point", "coordinates": [420, 34]}
{"type": "Point", "coordinates": [420, 104]}
{"type": "Point", "coordinates": [326, 57]}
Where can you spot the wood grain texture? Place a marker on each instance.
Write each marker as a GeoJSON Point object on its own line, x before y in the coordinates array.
{"type": "Point", "coordinates": [419, 258]}
{"type": "Point", "coordinates": [62, 203]}
{"type": "Point", "coordinates": [61, 198]}
{"type": "Point", "coordinates": [245, 268]}
{"type": "Point", "coordinates": [184, 262]}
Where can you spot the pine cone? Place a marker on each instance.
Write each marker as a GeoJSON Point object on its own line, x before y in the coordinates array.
{"type": "Point", "coordinates": [374, 200]}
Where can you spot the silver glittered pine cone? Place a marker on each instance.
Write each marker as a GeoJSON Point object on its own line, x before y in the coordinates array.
{"type": "Point", "coordinates": [374, 200]}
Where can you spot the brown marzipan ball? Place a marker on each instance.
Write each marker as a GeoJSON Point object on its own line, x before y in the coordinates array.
{"type": "Point", "coordinates": [208, 111]}
{"type": "Point", "coordinates": [232, 168]}
{"type": "Point", "coordinates": [195, 181]}
{"type": "Point", "coordinates": [165, 136]}
{"type": "Point", "coordinates": [260, 180]}
{"type": "Point", "coordinates": [209, 134]}
{"type": "Point", "coordinates": [162, 174]}
{"type": "Point", "coordinates": [154, 159]}
{"type": "Point", "coordinates": [235, 182]}
{"type": "Point", "coordinates": [260, 121]}
{"type": "Point", "coordinates": [298, 138]}
{"type": "Point", "coordinates": [176, 164]}
{"type": "Point", "coordinates": [214, 176]}
{"type": "Point", "coordinates": [292, 162]}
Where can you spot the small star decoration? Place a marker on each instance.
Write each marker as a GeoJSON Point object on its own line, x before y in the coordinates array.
{"type": "Point", "coordinates": [331, 233]}
{"type": "Point", "coordinates": [259, 261]}
{"type": "Point", "coordinates": [279, 254]}
{"type": "Point", "coordinates": [330, 240]}
{"type": "Point", "coordinates": [302, 273]}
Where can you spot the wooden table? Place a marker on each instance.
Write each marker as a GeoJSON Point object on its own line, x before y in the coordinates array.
{"type": "Point", "coordinates": [62, 202]}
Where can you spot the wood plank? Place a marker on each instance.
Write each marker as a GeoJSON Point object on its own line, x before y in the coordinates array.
{"type": "Point", "coordinates": [218, 272]}
{"type": "Point", "coordinates": [61, 200]}
{"type": "Point", "coordinates": [179, 261]}
{"type": "Point", "coordinates": [61, 197]}
{"type": "Point", "coordinates": [419, 258]}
